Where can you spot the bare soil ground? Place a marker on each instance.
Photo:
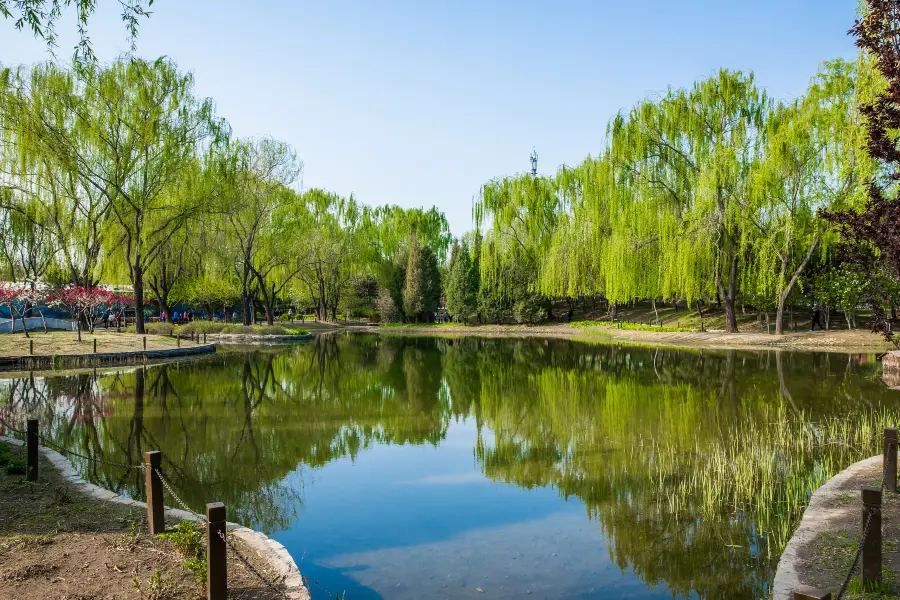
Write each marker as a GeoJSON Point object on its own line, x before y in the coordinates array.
{"type": "Point", "coordinates": [66, 342]}
{"type": "Point", "coordinates": [58, 544]}
{"type": "Point", "coordinates": [824, 561]}
{"type": "Point", "coordinates": [819, 341]}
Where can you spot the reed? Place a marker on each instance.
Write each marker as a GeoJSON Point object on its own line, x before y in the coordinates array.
{"type": "Point", "coordinates": [764, 470]}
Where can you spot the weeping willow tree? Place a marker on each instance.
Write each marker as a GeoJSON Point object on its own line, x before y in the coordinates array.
{"type": "Point", "coordinates": [690, 157]}
{"type": "Point", "coordinates": [521, 214]}
{"type": "Point", "coordinates": [813, 160]}
{"type": "Point", "coordinates": [129, 132]}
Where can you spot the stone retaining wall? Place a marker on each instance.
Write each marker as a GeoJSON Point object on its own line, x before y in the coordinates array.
{"type": "Point", "coordinates": [815, 520]}
{"type": "Point", "coordinates": [99, 359]}
{"type": "Point", "coordinates": [278, 558]}
{"type": "Point", "coordinates": [253, 338]}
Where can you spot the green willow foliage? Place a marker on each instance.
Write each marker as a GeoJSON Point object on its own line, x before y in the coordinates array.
{"type": "Point", "coordinates": [119, 174]}
{"type": "Point", "coordinates": [707, 192]}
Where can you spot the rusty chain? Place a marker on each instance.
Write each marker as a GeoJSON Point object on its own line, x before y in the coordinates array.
{"type": "Point", "coordinates": [63, 450]}
{"type": "Point", "coordinates": [172, 493]}
{"type": "Point", "coordinates": [272, 587]}
{"type": "Point", "coordinates": [50, 444]}
{"type": "Point", "coordinates": [862, 540]}
{"type": "Point", "coordinates": [11, 428]}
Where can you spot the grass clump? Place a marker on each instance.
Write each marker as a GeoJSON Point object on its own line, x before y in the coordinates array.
{"type": "Point", "coordinates": [630, 326]}
{"type": "Point", "coordinates": [213, 327]}
{"type": "Point", "coordinates": [425, 325]}
{"type": "Point", "coordinates": [11, 463]}
{"type": "Point", "coordinates": [187, 537]}
{"type": "Point", "coordinates": [155, 328]}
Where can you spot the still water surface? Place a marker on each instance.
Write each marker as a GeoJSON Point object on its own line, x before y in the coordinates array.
{"type": "Point", "coordinates": [409, 468]}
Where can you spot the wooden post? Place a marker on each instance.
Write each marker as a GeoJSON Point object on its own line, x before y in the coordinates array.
{"type": "Point", "coordinates": [808, 593]}
{"type": "Point", "coordinates": [145, 342]}
{"type": "Point", "coordinates": [871, 553]}
{"type": "Point", "coordinates": [156, 514]}
{"type": "Point", "coordinates": [178, 340]}
{"type": "Point", "coordinates": [95, 345]}
{"type": "Point", "coordinates": [204, 337]}
{"type": "Point", "coordinates": [31, 452]}
{"type": "Point", "coordinates": [216, 568]}
{"type": "Point", "coordinates": [31, 347]}
{"type": "Point", "coordinates": [890, 459]}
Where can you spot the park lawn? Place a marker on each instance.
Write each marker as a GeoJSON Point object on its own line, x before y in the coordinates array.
{"type": "Point", "coordinates": [66, 342]}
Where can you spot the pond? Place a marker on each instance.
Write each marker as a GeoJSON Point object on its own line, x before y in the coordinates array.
{"type": "Point", "coordinates": [416, 467]}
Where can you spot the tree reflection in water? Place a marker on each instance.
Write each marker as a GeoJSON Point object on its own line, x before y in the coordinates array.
{"type": "Point", "coordinates": [247, 426]}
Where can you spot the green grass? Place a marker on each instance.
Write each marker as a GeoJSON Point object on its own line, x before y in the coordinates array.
{"type": "Point", "coordinates": [629, 326]}
{"type": "Point", "coordinates": [212, 327]}
{"type": "Point", "coordinates": [13, 464]}
{"type": "Point", "coordinates": [187, 537]}
{"type": "Point", "coordinates": [215, 327]}
{"type": "Point", "coordinates": [424, 325]}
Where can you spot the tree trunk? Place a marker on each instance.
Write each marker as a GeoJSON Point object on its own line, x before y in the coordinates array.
{"type": "Point", "coordinates": [728, 293]}
{"type": "Point", "coordinates": [138, 281]}
{"type": "Point", "coordinates": [613, 310]}
{"type": "Point", "coordinates": [24, 325]}
{"type": "Point", "coordinates": [245, 308]}
{"type": "Point", "coordinates": [700, 313]}
{"type": "Point", "coordinates": [786, 292]}
{"type": "Point", "coordinates": [656, 312]}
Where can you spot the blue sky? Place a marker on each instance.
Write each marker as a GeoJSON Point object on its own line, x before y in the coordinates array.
{"type": "Point", "coordinates": [419, 103]}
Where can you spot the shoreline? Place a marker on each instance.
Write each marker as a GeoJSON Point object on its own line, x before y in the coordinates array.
{"type": "Point", "coordinates": [270, 551]}
{"type": "Point", "coordinates": [828, 529]}
{"type": "Point", "coordinates": [53, 362]}
{"type": "Point", "coordinates": [840, 341]}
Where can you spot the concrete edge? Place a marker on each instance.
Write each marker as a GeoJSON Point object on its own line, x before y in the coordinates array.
{"type": "Point", "coordinates": [140, 355]}
{"type": "Point", "coordinates": [250, 338]}
{"type": "Point", "coordinates": [816, 518]}
{"type": "Point", "coordinates": [275, 554]}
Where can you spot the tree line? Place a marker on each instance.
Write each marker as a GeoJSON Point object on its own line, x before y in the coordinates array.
{"type": "Point", "coordinates": [714, 193]}
{"type": "Point", "coordinates": [121, 174]}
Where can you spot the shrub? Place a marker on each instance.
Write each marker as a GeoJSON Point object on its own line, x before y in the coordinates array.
{"type": "Point", "coordinates": [212, 327]}
{"type": "Point", "coordinates": [529, 309]}
{"type": "Point", "coordinates": [15, 465]}
{"type": "Point", "coordinates": [186, 537]}
{"type": "Point", "coordinates": [155, 328]}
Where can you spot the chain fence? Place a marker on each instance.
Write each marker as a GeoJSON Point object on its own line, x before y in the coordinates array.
{"type": "Point", "coordinates": [272, 586]}
{"type": "Point", "coordinates": [865, 533]}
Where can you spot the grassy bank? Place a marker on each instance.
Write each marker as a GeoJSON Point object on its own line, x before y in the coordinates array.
{"type": "Point", "coordinates": [857, 341]}
{"type": "Point", "coordinates": [66, 342]}
{"type": "Point", "coordinates": [214, 327]}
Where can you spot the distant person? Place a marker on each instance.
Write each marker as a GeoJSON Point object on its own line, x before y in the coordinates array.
{"type": "Point", "coordinates": [816, 318]}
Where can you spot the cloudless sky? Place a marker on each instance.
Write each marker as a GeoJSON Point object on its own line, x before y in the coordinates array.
{"type": "Point", "coordinates": [418, 103]}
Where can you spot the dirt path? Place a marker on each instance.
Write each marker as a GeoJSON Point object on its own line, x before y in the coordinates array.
{"type": "Point", "coordinates": [59, 544]}
{"type": "Point", "coordinates": [820, 341]}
